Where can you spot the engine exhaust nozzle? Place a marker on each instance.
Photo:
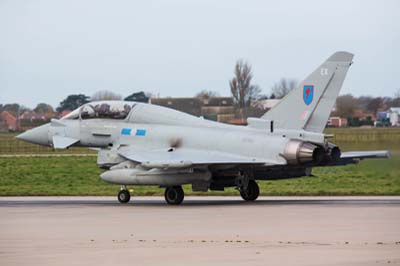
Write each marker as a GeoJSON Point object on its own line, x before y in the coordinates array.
{"type": "Point", "coordinates": [299, 152]}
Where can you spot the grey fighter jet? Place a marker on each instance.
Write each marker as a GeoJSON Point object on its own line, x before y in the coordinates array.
{"type": "Point", "coordinates": [144, 144]}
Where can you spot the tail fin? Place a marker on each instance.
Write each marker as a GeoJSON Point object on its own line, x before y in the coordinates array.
{"type": "Point", "coordinates": [309, 105]}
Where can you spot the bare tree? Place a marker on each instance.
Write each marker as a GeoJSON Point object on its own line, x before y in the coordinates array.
{"type": "Point", "coordinates": [397, 94]}
{"type": "Point", "coordinates": [254, 94]}
{"type": "Point", "coordinates": [242, 90]}
{"type": "Point", "coordinates": [395, 102]}
{"type": "Point", "coordinates": [375, 104]}
{"type": "Point", "coordinates": [346, 105]}
{"type": "Point", "coordinates": [283, 87]}
{"type": "Point", "coordinates": [363, 102]}
{"type": "Point", "coordinates": [105, 95]}
{"type": "Point", "coordinates": [205, 94]}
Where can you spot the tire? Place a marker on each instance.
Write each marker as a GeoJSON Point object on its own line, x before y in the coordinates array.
{"type": "Point", "coordinates": [174, 195]}
{"type": "Point", "coordinates": [252, 192]}
{"type": "Point", "coordinates": [124, 196]}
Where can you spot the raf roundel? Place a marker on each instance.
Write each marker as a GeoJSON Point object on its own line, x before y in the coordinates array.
{"type": "Point", "coordinates": [308, 94]}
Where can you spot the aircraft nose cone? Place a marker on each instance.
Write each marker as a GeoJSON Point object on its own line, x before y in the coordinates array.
{"type": "Point", "coordinates": [37, 135]}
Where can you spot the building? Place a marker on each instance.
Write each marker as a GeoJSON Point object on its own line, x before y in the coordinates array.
{"type": "Point", "coordinates": [394, 116]}
{"type": "Point", "coordinates": [265, 104]}
{"type": "Point", "coordinates": [390, 117]}
{"type": "Point", "coordinates": [32, 116]}
{"type": "Point", "coordinates": [362, 115]}
{"type": "Point", "coordinates": [216, 108]}
{"type": "Point", "coordinates": [8, 122]}
{"type": "Point", "coordinates": [336, 121]}
{"type": "Point", "coordinates": [383, 116]}
{"type": "Point", "coordinates": [31, 119]}
{"type": "Point", "coordinates": [188, 105]}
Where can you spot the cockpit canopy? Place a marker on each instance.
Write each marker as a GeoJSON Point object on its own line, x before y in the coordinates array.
{"type": "Point", "coordinates": [102, 109]}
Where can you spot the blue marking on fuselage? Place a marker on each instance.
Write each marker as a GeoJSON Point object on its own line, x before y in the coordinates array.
{"type": "Point", "coordinates": [141, 132]}
{"type": "Point", "coordinates": [126, 131]}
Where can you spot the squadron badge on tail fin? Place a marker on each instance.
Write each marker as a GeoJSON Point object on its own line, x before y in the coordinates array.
{"type": "Point", "coordinates": [308, 94]}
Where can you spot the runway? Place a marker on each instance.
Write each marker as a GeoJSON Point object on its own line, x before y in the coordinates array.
{"type": "Point", "coordinates": [202, 231]}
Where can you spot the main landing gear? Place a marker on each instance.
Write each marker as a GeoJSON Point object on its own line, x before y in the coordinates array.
{"type": "Point", "coordinates": [174, 195]}
{"type": "Point", "coordinates": [251, 192]}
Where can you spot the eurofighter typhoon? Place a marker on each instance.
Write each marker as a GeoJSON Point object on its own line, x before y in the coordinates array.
{"type": "Point", "coordinates": [144, 144]}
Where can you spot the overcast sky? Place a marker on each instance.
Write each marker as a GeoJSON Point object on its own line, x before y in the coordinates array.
{"type": "Point", "coordinates": [49, 49]}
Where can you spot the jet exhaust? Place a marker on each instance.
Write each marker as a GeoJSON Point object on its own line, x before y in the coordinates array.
{"type": "Point", "coordinates": [334, 152]}
{"type": "Point", "coordinates": [299, 152]}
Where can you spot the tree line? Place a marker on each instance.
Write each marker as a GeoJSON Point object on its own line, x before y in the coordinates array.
{"type": "Point", "coordinates": [347, 105]}
{"type": "Point", "coordinates": [243, 91]}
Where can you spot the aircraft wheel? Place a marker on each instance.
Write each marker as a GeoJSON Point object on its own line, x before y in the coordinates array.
{"type": "Point", "coordinates": [174, 195]}
{"type": "Point", "coordinates": [124, 196]}
{"type": "Point", "coordinates": [252, 192]}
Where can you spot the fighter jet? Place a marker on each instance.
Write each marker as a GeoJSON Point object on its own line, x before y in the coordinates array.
{"type": "Point", "coordinates": [144, 144]}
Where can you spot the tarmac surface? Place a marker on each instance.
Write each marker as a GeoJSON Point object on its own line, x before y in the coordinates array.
{"type": "Point", "coordinates": [202, 231]}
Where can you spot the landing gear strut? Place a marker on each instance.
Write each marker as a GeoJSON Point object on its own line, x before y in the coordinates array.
{"type": "Point", "coordinates": [251, 192]}
{"type": "Point", "coordinates": [174, 195]}
{"type": "Point", "coordinates": [124, 196]}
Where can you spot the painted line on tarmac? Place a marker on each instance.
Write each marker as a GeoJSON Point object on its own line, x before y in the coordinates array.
{"type": "Point", "coordinates": [196, 201]}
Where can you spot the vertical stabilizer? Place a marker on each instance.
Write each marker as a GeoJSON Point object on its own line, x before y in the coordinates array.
{"type": "Point", "coordinates": [309, 105]}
